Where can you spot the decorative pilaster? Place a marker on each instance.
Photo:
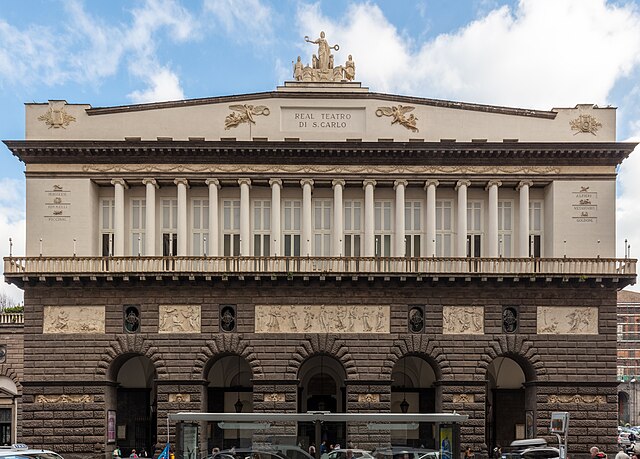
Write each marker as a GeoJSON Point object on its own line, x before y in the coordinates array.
{"type": "Point", "coordinates": [461, 226]}
{"type": "Point", "coordinates": [245, 214]}
{"type": "Point", "coordinates": [118, 218]}
{"type": "Point", "coordinates": [369, 220]}
{"type": "Point", "coordinates": [492, 233]}
{"type": "Point", "coordinates": [338, 226]}
{"type": "Point", "coordinates": [214, 186]}
{"type": "Point", "coordinates": [430, 246]}
{"type": "Point", "coordinates": [276, 187]}
{"type": "Point", "coordinates": [307, 186]}
{"type": "Point", "coordinates": [399, 186]}
{"type": "Point", "coordinates": [182, 184]}
{"type": "Point", "coordinates": [523, 220]}
{"type": "Point", "coordinates": [150, 219]}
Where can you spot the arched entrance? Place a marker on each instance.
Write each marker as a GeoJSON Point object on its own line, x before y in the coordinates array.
{"type": "Point", "coordinates": [624, 417]}
{"type": "Point", "coordinates": [413, 391]}
{"type": "Point", "coordinates": [135, 403]}
{"type": "Point", "coordinates": [8, 410]}
{"type": "Point", "coordinates": [510, 406]}
{"type": "Point", "coordinates": [230, 390]}
{"type": "Point", "coordinates": [322, 388]}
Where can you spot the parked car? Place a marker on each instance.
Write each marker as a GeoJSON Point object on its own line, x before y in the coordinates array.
{"type": "Point", "coordinates": [404, 452]}
{"type": "Point", "coordinates": [247, 453]}
{"type": "Point", "coordinates": [531, 448]}
{"type": "Point", "coordinates": [623, 438]}
{"type": "Point", "coordinates": [342, 454]}
{"type": "Point", "coordinates": [22, 451]}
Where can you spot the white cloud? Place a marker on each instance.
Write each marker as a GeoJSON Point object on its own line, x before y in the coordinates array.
{"type": "Point", "coordinates": [164, 85]}
{"type": "Point", "coordinates": [12, 225]}
{"type": "Point", "coordinates": [544, 53]}
{"type": "Point", "coordinates": [243, 19]}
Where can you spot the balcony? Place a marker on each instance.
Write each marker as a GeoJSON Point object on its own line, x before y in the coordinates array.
{"type": "Point", "coordinates": [11, 318]}
{"type": "Point", "coordinates": [19, 270]}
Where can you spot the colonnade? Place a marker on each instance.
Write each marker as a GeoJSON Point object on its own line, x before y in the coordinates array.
{"type": "Point", "coordinates": [338, 185]}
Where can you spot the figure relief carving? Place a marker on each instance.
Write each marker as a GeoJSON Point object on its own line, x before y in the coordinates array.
{"type": "Point", "coordinates": [586, 124]}
{"type": "Point", "coordinates": [64, 398]}
{"type": "Point", "coordinates": [179, 398]}
{"type": "Point", "coordinates": [567, 321]}
{"type": "Point", "coordinates": [368, 398]}
{"type": "Point", "coordinates": [463, 319]}
{"type": "Point", "coordinates": [323, 66]}
{"type": "Point", "coordinates": [464, 398]}
{"type": "Point", "coordinates": [56, 117]}
{"type": "Point", "coordinates": [397, 113]}
{"type": "Point", "coordinates": [578, 399]}
{"type": "Point", "coordinates": [319, 169]}
{"type": "Point", "coordinates": [274, 397]}
{"type": "Point", "coordinates": [245, 114]}
{"type": "Point", "coordinates": [179, 319]}
{"type": "Point", "coordinates": [73, 319]}
{"type": "Point", "coordinates": [322, 319]}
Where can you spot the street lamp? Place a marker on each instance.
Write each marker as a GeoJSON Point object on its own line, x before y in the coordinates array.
{"type": "Point", "coordinates": [632, 385]}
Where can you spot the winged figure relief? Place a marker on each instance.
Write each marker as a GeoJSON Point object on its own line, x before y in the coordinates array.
{"type": "Point", "coordinates": [244, 114]}
{"type": "Point", "coordinates": [398, 115]}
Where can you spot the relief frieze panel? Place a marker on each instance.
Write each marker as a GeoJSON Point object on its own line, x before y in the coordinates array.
{"type": "Point", "coordinates": [322, 319]}
{"type": "Point", "coordinates": [467, 320]}
{"type": "Point", "coordinates": [567, 321]}
{"type": "Point", "coordinates": [179, 319]}
{"type": "Point", "coordinates": [73, 319]}
{"type": "Point", "coordinates": [64, 398]}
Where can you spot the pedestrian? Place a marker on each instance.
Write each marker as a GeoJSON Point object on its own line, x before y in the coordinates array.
{"type": "Point", "coordinates": [596, 453]}
{"type": "Point", "coordinates": [116, 454]}
{"type": "Point", "coordinates": [133, 454]}
{"type": "Point", "coordinates": [312, 449]}
{"type": "Point", "coordinates": [468, 454]}
{"type": "Point", "coordinates": [622, 455]}
{"type": "Point", "coordinates": [143, 453]}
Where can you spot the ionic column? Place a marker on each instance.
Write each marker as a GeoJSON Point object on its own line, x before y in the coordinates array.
{"type": "Point", "coordinates": [214, 186]}
{"type": "Point", "coordinates": [399, 186]}
{"type": "Point", "coordinates": [369, 218]}
{"type": "Point", "coordinates": [307, 186]}
{"type": "Point", "coordinates": [461, 240]}
{"type": "Point", "coordinates": [118, 217]}
{"type": "Point", "coordinates": [182, 184]}
{"type": "Point", "coordinates": [430, 246]}
{"type": "Point", "coordinates": [523, 220]}
{"type": "Point", "coordinates": [338, 224]}
{"type": "Point", "coordinates": [150, 219]}
{"type": "Point", "coordinates": [245, 217]}
{"type": "Point", "coordinates": [492, 233]}
{"type": "Point", "coordinates": [276, 187]}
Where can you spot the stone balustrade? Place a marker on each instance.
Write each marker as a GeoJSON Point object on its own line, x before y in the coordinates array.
{"type": "Point", "coordinates": [11, 318]}
{"type": "Point", "coordinates": [25, 267]}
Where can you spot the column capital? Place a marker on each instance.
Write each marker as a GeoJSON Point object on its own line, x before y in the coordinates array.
{"type": "Point", "coordinates": [430, 182]}
{"type": "Point", "coordinates": [119, 181]}
{"type": "Point", "coordinates": [461, 183]}
{"type": "Point", "coordinates": [524, 183]}
{"type": "Point", "coordinates": [306, 181]}
{"type": "Point", "coordinates": [337, 182]}
{"type": "Point", "coordinates": [212, 181]}
{"type": "Point", "coordinates": [368, 182]}
{"type": "Point", "coordinates": [152, 181]}
{"type": "Point", "coordinates": [244, 181]}
{"type": "Point", "coordinates": [491, 183]}
{"type": "Point", "coordinates": [182, 181]}
{"type": "Point", "coordinates": [275, 181]}
{"type": "Point", "coordinates": [397, 183]}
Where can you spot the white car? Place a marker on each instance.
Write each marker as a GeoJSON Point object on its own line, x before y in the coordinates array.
{"type": "Point", "coordinates": [22, 451]}
{"type": "Point", "coordinates": [342, 454]}
{"type": "Point", "coordinates": [623, 439]}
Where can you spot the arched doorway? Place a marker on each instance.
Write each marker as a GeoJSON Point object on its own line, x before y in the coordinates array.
{"type": "Point", "coordinates": [8, 410]}
{"type": "Point", "coordinates": [135, 403]}
{"type": "Point", "coordinates": [230, 390]}
{"type": "Point", "coordinates": [623, 408]}
{"type": "Point", "coordinates": [322, 388]}
{"type": "Point", "coordinates": [413, 391]}
{"type": "Point", "coordinates": [510, 406]}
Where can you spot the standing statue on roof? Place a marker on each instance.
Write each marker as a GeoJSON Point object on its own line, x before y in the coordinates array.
{"type": "Point", "coordinates": [324, 51]}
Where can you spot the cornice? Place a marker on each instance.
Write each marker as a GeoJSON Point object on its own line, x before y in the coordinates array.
{"type": "Point", "coordinates": [322, 153]}
{"type": "Point", "coordinates": [324, 95]}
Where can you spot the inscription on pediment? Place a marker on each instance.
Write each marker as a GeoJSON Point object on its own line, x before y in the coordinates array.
{"type": "Point", "coordinates": [323, 120]}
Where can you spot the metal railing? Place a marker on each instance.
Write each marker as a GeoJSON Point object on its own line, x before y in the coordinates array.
{"type": "Point", "coordinates": [500, 267]}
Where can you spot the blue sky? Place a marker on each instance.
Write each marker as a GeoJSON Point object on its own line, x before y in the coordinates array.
{"type": "Point", "coordinates": [522, 53]}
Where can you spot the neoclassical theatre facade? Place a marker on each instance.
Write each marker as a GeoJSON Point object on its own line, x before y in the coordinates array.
{"type": "Point", "coordinates": [318, 247]}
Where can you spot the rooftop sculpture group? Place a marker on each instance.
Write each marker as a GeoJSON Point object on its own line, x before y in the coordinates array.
{"type": "Point", "coordinates": [322, 67]}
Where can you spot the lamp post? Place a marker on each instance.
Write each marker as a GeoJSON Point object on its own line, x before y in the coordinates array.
{"type": "Point", "coordinates": [633, 418]}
